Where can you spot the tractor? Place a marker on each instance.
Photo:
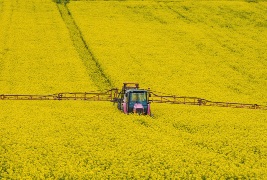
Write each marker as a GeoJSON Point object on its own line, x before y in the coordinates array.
{"type": "Point", "coordinates": [131, 99]}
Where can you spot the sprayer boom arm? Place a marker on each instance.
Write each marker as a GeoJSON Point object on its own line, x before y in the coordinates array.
{"type": "Point", "coordinates": [172, 99]}
{"type": "Point", "coordinates": [112, 95]}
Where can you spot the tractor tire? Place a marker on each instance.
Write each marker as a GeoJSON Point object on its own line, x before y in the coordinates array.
{"type": "Point", "coordinates": [119, 105]}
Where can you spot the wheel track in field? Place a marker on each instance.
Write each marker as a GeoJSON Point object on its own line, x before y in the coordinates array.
{"type": "Point", "coordinates": [6, 11]}
{"type": "Point", "coordinates": [92, 65]}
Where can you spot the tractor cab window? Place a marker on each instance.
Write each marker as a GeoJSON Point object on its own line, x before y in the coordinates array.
{"type": "Point", "coordinates": [138, 96]}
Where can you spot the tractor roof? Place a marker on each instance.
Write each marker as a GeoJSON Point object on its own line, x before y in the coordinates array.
{"type": "Point", "coordinates": [136, 90]}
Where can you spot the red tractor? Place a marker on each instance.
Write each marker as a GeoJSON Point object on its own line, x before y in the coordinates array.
{"type": "Point", "coordinates": [131, 99]}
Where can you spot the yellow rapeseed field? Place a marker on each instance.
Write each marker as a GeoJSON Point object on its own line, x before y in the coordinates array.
{"type": "Point", "coordinates": [83, 140]}
{"type": "Point", "coordinates": [36, 53]}
{"type": "Point", "coordinates": [215, 50]}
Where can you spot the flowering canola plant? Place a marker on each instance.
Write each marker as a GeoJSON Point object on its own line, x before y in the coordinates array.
{"type": "Point", "coordinates": [36, 53]}
{"type": "Point", "coordinates": [78, 139]}
{"type": "Point", "coordinates": [93, 140]}
{"type": "Point", "coordinates": [209, 49]}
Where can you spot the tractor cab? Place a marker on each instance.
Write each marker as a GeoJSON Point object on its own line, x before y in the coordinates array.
{"type": "Point", "coordinates": [134, 100]}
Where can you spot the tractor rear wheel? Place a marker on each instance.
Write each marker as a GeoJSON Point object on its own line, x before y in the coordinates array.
{"type": "Point", "coordinates": [119, 104]}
